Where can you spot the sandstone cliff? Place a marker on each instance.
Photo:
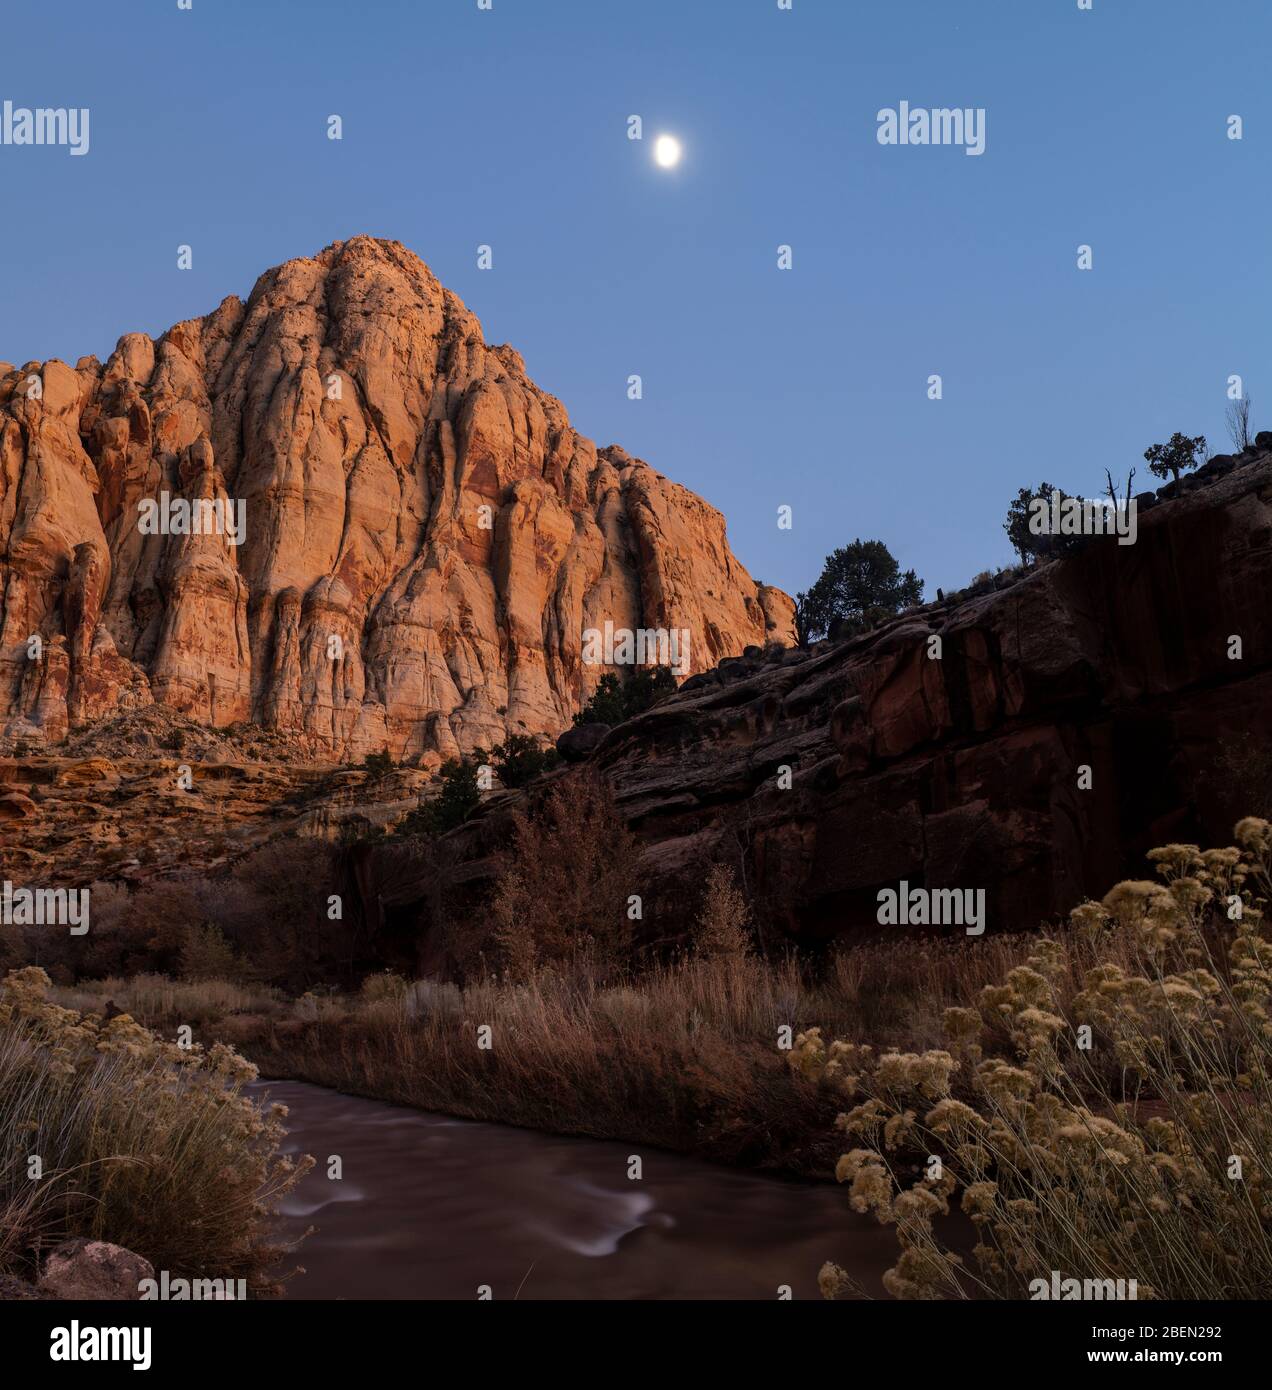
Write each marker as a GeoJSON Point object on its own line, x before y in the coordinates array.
{"type": "Point", "coordinates": [966, 770]}
{"type": "Point", "coordinates": [958, 772]}
{"type": "Point", "coordinates": [426, 538]}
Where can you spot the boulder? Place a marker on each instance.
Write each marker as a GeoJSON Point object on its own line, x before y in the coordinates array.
{"type": "Point", "coordinates": [93, 1269]}
{"type": "Point", "coordinates": [577, 744]}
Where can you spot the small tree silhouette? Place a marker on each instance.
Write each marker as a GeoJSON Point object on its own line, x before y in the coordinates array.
{"type": "Point", "coordinates": [378, 764]}
{"type": "Point", "coordinates": [518, 759]}
{"type": "Point", "coordinates": [859, 582]}
{"type": "Point", "coordinates": [1027, 544]}
{"type": "Point", "coordinates": [458, 798]}
{"type": "Point", "coordinates": [1173, 458]}
{"type": "Point", "coordinates": [615, 699]}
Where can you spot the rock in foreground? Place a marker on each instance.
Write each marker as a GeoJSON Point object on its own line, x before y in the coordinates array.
{"type": "Point", "coordinates": [93, 1269]}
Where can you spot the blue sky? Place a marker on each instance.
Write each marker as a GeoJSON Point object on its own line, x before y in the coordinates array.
{"type": "Point", "coordinates": [761, 387]}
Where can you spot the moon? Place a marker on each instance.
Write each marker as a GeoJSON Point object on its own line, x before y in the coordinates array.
{"type": "Point", "coordinates": [667, 151]}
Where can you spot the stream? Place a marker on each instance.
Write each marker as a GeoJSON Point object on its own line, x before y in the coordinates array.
{"type": "Point", "coordinates": [430, 1207]}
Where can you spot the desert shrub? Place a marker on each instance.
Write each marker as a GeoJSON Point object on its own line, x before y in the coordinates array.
{"type": "Point", "coordinates": [264, 916]}
{"type": "Point", "coordinates": [458, 798]}
{"type": "Point", "coordinates": [144, 1144]}
{"type": "Point", "coordinates": [615, 699]}
{"type": "Point", "coordinates": [272, 907]}
{"type": "Point", "coordinates": [129, 932]}
{"type": "Point", "coordinates": [1113, 1126]}
{"type": "Point", "coordinates": [723, 918]}
{"type": "Point", "coordinates": [562, 894]}
{"type": "Point", "coordinates": [320, 1005]}
{"type": "Point", "coordinates": [519, 759]}
{"type": "Point", "coordinates": [207, 955]}
{"type": "Point", "coordinates": [378, 764]}
{"type": "Point", "coordinates": [384, 984]}
{"type": "Point", "coordinates": [429, 999]}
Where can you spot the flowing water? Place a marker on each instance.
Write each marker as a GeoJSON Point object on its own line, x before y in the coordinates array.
{"type": "Point", "coordinates": [430, 1207]}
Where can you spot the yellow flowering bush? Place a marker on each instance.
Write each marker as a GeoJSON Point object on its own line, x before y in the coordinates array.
{"type": "Point", "coordinates": [1104, 1111]}
{"type": "Point", "coordinates": [109, 1132]}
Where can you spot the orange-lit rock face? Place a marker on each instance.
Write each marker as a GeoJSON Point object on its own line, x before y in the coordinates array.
{"type": "Point", "coordinates": [426, 539]}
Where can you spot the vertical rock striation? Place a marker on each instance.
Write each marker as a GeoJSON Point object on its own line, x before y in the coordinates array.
{"type": "Point", "coordinates": [426, 538]}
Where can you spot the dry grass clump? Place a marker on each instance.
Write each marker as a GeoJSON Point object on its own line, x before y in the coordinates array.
{"type": "Point", "coordinates": [681, 1057]}
{"type": "Point", "coordinates": [139, 1142]}
{"type": "Point", "coordinates": [156, 1000]}
{"type": "Point", "coordinates": [384, 986]}
{"type": "Point", "coordinates": [681, 1054]}
{"type": "Point", "coordinates": [1105, 1110]}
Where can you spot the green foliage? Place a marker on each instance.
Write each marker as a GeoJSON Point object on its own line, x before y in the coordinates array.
{"type": "Point", "coordinates": [456, 801]}
{"type": "Point", "coordinates": [1173, 458]}
{"type": "Point", "coordinates": [378, 764]}
{"type": "Point", "coordinates": [616, 700]}
{"type": "Point", "coordinates": [861, 584]}
{"type": "Point", "coordinates": [1028, 546]}
{"type": "Point", "coordinates": [519, 759]}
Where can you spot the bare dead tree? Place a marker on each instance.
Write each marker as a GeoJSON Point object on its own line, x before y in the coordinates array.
{"type": "Point", "coordinates": [1238, 417]}
{"type": "Point", "coordinates": [1113, 490]}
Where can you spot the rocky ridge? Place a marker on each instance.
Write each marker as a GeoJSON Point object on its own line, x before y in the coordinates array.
{"type": "Point", "coordinates": [825, 775]}
{"type": "Point", "coordinates": [961, 771]}
{"type": "Point", "coordinates": [426, 537]}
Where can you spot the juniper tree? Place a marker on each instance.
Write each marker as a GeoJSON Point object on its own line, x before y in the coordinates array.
{"type": "Point", "coordinates": [1176, 456]}
{"type": "Point", "coordinates": [857, 580]}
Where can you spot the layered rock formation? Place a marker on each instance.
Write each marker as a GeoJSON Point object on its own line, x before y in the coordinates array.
{"type": "Point", "coordinates": [967, 770]}
{"type": "Point", "coordinates": [426, 538]}
{"type": "Point", "coordinates": [963, 769]}
{"type": "Point", "coordinates": [1071, 718]}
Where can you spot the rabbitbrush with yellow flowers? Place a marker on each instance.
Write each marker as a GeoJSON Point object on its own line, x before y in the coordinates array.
{"type": "Point", "coordinates": [1105, 1110]}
